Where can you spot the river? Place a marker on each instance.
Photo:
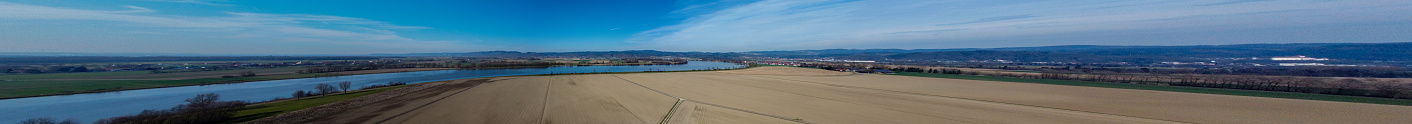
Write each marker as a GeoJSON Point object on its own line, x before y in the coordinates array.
{"type": "Point", "coordinates": [90, 107]}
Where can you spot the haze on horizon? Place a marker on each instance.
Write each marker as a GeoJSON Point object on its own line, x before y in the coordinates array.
{"type": "Point", "coordinates": [412, 26]}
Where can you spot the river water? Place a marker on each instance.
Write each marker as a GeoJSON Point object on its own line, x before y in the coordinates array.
{"type": "Point", "coordinates": [90, 107]}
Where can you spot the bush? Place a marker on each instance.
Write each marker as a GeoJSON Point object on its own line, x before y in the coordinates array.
{"type": "Point", "coordinates": [48, 121]}
{"type": "Point", "coordinates": [202, 109]}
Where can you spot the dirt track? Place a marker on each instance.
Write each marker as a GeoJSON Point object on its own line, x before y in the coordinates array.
{"type": "Point", "coordinates": [774, 95]}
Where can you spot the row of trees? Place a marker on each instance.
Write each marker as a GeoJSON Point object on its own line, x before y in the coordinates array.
{"type": "Point", "coordinates": [202, 109]}
{"type": "Point", "coordinates": [1379, 72]}
{"type": "Point", "coordinates": [48, 121]}
{"type": "Point", "coordinates": [370, 66]}
{"type": "Point", "coordinates": [1319, 85]}
{"type": "Point", "coordinates": [1368, 87]}
{"type": "Point", "coordinates": [323, 89]}
{"type": "Point", "coordinates": [1346, 86]}
{"type": "Point", "coordinates": [481, 65]}
{"type": "Point", "coordinates": [1311, 71]}
{"type": "Point", "coordinates": [241, 74]}
{"type": "Point", "coordinates": [50, 69]}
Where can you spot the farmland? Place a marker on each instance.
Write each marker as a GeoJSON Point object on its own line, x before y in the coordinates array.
{"type": "Point", "coordinates": [12, 86]}
{"type": "Point", "coordinates": [275, 108]}
{"type": "Point", "coordinates": [799, 95]}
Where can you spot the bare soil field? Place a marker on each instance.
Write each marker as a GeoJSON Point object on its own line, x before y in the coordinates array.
{"type": "Point", "coordinates": [777, 95]}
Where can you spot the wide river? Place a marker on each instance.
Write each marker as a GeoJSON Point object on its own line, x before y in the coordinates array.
{"type": "Point", "coordinates": [87, 108]}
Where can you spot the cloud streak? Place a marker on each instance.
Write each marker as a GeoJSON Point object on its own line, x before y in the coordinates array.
{"type": "Point", "coordinates": [373, 35]}
{"type": "Point", "coordinates": [202, 2]}
{"type": "Point", "coordinates": [788, 24]}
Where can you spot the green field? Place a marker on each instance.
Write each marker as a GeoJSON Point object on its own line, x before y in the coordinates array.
{"type": "Point", "coordinates": [275, 108]}
{"type": "Point", "coordinates": [784, 65]}
{"type": "Point", "coordinates": [1287, 95]}
{"type": "Point", "coordinates": [69, 75]}
{"type": "Point", "coordinates": [12, 86]}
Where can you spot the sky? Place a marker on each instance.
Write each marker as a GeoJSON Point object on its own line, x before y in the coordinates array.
{"type": "Point", "coordinates": [289, 27]}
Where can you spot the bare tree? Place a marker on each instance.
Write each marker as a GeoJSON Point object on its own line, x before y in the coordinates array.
{"type": "Point", "coordinates": [345, 85]}
{"type": "Point", "coordinates": [202, 109]}
{"type": "Point", "coordinates": [48, 121]}
{"type": "Point", "coordinates": [300, 93]}
{"type": "Point", "coordinates": [203, 99]}
{"type": "Point", "coordinates": [325, 88]}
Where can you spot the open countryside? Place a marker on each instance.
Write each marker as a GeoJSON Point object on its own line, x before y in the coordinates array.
{"type": "Point", "coordinates": [104, 105]}
{"type": "Point", "coordinates": [801, 95]}
{"type": "Point", "coordinates": [705, 62]}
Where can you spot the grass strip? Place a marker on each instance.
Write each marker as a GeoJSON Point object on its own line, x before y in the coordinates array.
{"type": "Point", "coordinates": [1236, 92]}
{"type": "Point", "coordinates": [275, 108]}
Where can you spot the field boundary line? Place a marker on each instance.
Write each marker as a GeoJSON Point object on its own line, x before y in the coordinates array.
{"type": "Point", "coordinates": [978, 100]}
{"type": "Point", "coordinates": [667, 118]}
{"type": "Point", "coordinates": [544, 107]}
{"type": "Point", "coordinates": [689, 100]}
{"type": "Point", "coordinates": [425, 105]}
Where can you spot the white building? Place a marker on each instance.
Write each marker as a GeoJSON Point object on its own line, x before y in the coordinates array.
{"type": "Point", "coordinates": [1297, 58]}
{"type": "Point", "coordinates": [1301, 64]}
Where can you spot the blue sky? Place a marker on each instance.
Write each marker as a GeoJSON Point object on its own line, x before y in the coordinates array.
{"type": "Point", "coordinates": [407, 26]}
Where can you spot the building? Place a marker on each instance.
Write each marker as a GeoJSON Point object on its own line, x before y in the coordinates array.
{"type": "Point", "coordinates": [1297, 58]}
{"type": "Point", "coordinates": [1301, 64]}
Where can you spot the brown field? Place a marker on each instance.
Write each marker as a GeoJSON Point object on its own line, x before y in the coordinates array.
{"type": "Point", "coordinates": [795, 95]}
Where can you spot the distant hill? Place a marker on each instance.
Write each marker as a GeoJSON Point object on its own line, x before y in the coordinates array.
{"type": "Point", "coordinates": [1081, 53]}
{"type": "Point", "coordinates": [1348, 51]}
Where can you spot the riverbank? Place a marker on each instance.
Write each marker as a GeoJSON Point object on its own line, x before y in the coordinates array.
{"type": "Point", "coordinates": [40, 89]}
{"type": "Point", "coordinates": [798, 95]}
{"type": "Point", "coordinates": [400, 95]}
{"type": "Point", "coordinates": [272, 108]}
{"type": "Point", "coordinates": [103, 105]}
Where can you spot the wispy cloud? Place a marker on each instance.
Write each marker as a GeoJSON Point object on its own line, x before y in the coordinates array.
{"type": "Point", "coordinates": [136, 9]}
{"type": "Point", "coordinates": [240, 26]}
{"type": "Point", "coordinates": [791, 24]}
{"type": "Point", "coordinates": [202, 2]}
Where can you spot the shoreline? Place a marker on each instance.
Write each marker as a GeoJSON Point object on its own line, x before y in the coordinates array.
{"type": "Point", "coordinates": [335, 74]}
{"type": "Point", "coordinates": [310, 115]}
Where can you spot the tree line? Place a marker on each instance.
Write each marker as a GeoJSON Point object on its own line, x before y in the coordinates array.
{"type": "Point", "coordinates": [1318, 85]}
{"type": "Point", "coordinates": [1367, 87]}
{"type": "Point", "coordinates": [375, 66]}
{"type": "Point", "coordinates": [343, 87]}
{"type": "Point", "coordinates": [202, 109]}
{"type": "Point", "coordinates": [205, 108]}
